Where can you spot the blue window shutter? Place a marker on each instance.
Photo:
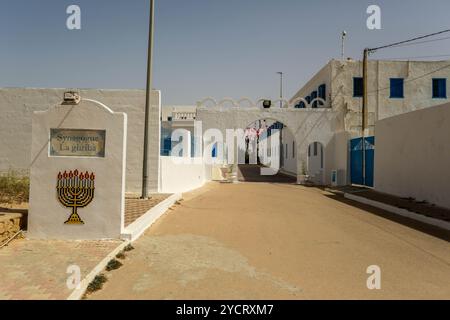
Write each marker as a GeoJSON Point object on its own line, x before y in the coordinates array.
{"type": "Point", "coordinates": [308, 99]}
{"type": "Point", "coordinates": [323, 93]}
{"type": "Point", "coordinates": [314, 96]}
{"type": "Point", "coordinates": [358, 87]}
{"type": "Point", "coordinates": [440, 88]}
{"type": "Point", "coordinates": [397, 88]}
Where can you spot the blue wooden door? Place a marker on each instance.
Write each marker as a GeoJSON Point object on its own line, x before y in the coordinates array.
{"type": "Point", "coordinates": [356, 160]}
{"type": "Point", "coordinates": [369, 161]}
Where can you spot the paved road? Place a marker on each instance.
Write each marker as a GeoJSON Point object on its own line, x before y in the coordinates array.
{"type": "Point", "coordinates": [278, 241]}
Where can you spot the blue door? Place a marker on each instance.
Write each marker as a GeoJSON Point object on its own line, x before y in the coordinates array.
{"type": "Point", "coordinates": [356, 161]}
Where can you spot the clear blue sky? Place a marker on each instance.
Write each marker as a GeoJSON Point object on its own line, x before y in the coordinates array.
{"type": "Point", "coordinates": [216, 48]}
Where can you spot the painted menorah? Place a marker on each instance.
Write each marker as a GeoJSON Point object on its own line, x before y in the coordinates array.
{"type": "Point", "coordinates": [75, 190]}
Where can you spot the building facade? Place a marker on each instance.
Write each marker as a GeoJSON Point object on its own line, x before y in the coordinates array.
{"type": "Point", "coordinates": [176, 117]}
{"type": "Point", "coordinates": [394, 88]}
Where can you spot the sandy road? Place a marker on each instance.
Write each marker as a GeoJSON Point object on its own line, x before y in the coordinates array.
{"type": "Point", "coordinates": [278, 241]}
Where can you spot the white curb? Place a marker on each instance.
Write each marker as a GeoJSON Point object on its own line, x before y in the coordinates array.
{"type": "Point", "coordinates": [132, 233]}
{"type": "Point", "coordinates": [402, 212]}
{"type": "Point", "coordinates": [78, 293]}
{"type": "Point", "coordinates": [138, 227]}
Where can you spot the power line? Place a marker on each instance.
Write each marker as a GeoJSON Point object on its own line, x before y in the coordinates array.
{"type": "Point", "coordinates": [410, 40]}
{"type": "Point", "coordinates": [418, 57]}
{"type": "Point", "coordinates": [420, 42]}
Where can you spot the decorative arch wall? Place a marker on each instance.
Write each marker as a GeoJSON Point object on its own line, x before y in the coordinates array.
{"type": "Point", "coordinates": [306, 125]}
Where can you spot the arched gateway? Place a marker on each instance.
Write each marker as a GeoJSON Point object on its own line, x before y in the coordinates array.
{"type": "Point", "coordinates": [308, 125]}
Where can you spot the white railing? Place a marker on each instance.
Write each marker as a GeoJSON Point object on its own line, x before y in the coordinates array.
{"type": "Point", "coordinates": [183, 116]}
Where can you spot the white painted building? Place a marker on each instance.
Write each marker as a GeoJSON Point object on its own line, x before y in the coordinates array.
{"type": "Point", "coordinates": [176, 117]}
{"type": "Point", "coordinates": [394, 87]}
{"type": "Point", "coordinates": [326, 113]}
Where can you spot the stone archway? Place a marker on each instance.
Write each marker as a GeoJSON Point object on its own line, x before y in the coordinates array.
{"type": "Point", "coordinates": [307, 126]}
{"type": "Point", "coordinates": [269, 139]}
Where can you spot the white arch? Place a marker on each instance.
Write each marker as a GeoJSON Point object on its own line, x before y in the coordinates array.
{"type": "Point", "coordinates": [296, 101]}
{"type": "Point", "coordinates": [201, 103]}
{"type": "Point", "coordinates": [225, 100]}
{"type": "Point", "coordinates": [245, 99]}
{"type": "Point", "coordinates": [318, 100]}
{"type": "Point", "coordinates": [285, 103]}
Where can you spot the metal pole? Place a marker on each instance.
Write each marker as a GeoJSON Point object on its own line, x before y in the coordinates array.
{"type": "Point", "coordinates": [344, 34]}
{"type": "Point", "coordinates": [144, 194]}
{"type": "Point", "coordinates": [281, 89]}
{"type": "Point", "coordinates": [364, 112]}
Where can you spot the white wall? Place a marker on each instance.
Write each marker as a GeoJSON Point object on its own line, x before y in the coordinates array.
{"type": "Point", "coordinates": [316, 162]}
{"type": "Point", "coordinates": [412, 155]}
{"type": "Point", "coordinates": [179, 177]}
{"type": "Point", "coordinates": [18, 104]}
{"type": "Point", "coordinates": [289, 162]}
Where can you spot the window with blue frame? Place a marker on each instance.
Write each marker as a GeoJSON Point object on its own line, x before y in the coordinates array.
{"type": "Point", "coordinates": [167, 146]}
{"type": "Point", "coordinates": [322, 93]}
{"type": "Point", "coordinates": [308, 99]}
{"type": "Point", "coordinates": [397, 88]}
{"type": "Point", "coordinates": [214, 151]}
{"type": "Point", "coordinates": [358, 87]}
{"type": "Point", "coordinates": [314, 96]}
{"type": "Point", "coordinates": [440, 88]}
{"type": "Point", "coordinates": [300, 105]}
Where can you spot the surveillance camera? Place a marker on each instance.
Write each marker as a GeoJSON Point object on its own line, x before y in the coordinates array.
{"type": "Point", "coordinates": [344, 33]}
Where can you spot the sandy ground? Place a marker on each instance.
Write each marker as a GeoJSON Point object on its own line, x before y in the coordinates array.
{"type": "Point", "coordinates": [278, 241]}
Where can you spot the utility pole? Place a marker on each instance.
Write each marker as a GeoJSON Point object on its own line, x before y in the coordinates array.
{"type": "Point", "coordinates": [148, 99]}
{"type": "Point", "coordinates": [364, 113]}
{"type": "Point", "coordinates": [281, 89]}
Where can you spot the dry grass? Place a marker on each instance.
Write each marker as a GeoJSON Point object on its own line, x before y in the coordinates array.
{"type": "Point", "coordinates": [14, 187]}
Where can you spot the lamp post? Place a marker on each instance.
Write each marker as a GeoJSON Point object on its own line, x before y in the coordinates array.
{"type": "Point", "coordinates": [148, 101]}
{"type": "Point", "coordinates": [344, 34]}
{"type": "Point", "coordinates": [281, 88]}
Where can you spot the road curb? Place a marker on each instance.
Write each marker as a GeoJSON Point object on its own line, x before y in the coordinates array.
{"type": "Point", "coordinates": [138, 227]}
{"type": "Point", "coordinates": [78, 293]}
{"type": "Point", "coordinates": [402, 212]}
{"type": "Point", "coordinates": [132, 233]}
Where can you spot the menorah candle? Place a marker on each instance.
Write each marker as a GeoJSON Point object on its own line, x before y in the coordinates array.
{"type": "Point", "coordinates": [65, 176]}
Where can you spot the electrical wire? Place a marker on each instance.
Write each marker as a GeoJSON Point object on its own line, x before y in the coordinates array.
{"type": "Point", "coordinates": [417, 57]}
{"type": "Point", "coordinates": [409, 40]}
{"type": "Point", "coordinates": [420, 42]}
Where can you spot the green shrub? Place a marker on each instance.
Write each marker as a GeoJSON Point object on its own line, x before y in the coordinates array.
{"type": "Point", "coordinates": [120, 255]}
{"type": "Point", "coordinates": [113, 265]}
{"type": "Point", "coordinates": [96, 284]}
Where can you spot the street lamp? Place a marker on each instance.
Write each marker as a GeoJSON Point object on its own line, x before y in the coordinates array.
{"type": "Point", "coordinates": [344, 34]}
{"type": "Point", "coordinates": [148, 98]}
{"type": "Point", "coordinates": [281, 88]}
